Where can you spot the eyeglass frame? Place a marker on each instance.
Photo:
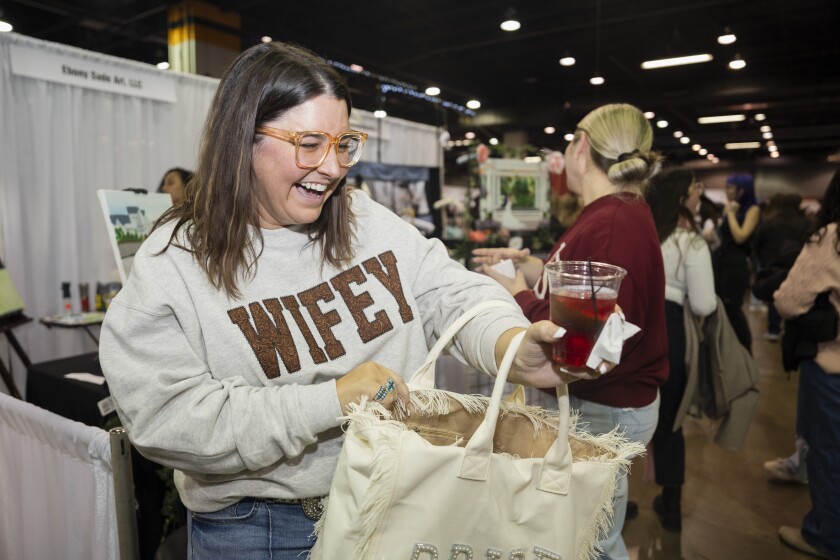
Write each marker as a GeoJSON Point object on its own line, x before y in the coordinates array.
{"type": "Point", "coordinates": [294, 138]}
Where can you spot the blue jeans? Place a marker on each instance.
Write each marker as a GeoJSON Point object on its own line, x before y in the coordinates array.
{"type": "Point", "coordinates": [819, 423]}
{"type": "Point", "coordinates": [638, 424]}
{"type": "Point", "coordinates": [250, 529]}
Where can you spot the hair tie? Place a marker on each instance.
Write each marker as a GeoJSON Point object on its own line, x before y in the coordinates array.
{"type": "Point", "coordinates": [627, 155]}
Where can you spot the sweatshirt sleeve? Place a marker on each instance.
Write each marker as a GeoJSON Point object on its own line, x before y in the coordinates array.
{"type": "Point", "coordinates": [445, 290]}
{"type": "Point", "coordinates": [176, 413]}
{"type": "Point", "coordinates": [814, 272]}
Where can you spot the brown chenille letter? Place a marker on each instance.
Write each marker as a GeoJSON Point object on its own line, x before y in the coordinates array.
{"type": "Point", "coordinates": [357, 303]}
{"type": "Point", "coordinates": [268, 339]}
{"type": "Point", "coordinates": [324, 322]}
{"type": "Point", "coordinates": [390, 278]}
{"type": "Point", "coordinates": [317, 354]}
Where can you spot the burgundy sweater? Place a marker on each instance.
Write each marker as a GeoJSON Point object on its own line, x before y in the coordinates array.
{"type": "Point", "coordinates": [619, 230]}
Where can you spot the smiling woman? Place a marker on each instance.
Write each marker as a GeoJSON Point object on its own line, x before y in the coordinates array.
{"type": "Point", "coordinates": [271, 299]}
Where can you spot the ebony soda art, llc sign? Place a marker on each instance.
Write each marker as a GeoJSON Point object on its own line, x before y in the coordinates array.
{"type": "Point", "coordinates": [67, 68]}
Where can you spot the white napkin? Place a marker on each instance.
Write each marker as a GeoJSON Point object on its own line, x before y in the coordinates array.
{"type": "Point", "coordinates": [505, 268]}
{"type": "Point", "coordinates": [611, 340]}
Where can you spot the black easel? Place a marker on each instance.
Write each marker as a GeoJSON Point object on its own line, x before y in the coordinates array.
{"type": "Point", "coordinates": [6, 326]}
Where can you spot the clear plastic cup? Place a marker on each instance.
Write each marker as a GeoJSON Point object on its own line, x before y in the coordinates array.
{"type": "Point", "coordinates": [583, 294]}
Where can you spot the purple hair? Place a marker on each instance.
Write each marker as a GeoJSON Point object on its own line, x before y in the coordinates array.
{"type": "Point", "coordinates": [745, 194]}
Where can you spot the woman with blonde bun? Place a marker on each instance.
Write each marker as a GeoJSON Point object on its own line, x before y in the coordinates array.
{"type": "Point", "coordinates": [608, 163]}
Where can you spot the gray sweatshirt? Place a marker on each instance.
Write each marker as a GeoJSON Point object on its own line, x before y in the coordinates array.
{"type": "Point", "coordinates": [239, 395]}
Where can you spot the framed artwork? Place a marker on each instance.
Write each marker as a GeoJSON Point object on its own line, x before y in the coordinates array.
{"type": "Point", "coordinates": [129, 217]}
{"type": "Point", "coordinates": [516, 193]}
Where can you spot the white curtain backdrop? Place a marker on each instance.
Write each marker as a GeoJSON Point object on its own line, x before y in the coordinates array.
{"type": "Point", "coordinates": [56, 487]}
{"type": "Point", "coordinates": [60, 143]}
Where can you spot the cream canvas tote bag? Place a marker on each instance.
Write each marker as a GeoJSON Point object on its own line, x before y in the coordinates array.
{"type": "Point", "coordinates": [466, 477]}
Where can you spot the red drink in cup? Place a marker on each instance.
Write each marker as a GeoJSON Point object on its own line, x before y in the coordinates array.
{"type": "Point", "coordinates": [583, 295]}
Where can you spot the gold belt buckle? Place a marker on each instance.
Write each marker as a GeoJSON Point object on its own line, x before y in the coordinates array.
{"type": "Point", "coordinates": [312, 508]}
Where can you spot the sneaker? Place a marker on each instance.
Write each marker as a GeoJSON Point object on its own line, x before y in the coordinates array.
{"type": "Point", "coordinates": [779, 471]}
{"type": "Point", "coordinates": [772, 336]}
{"type": "Point", "coordinates": [792, 536]}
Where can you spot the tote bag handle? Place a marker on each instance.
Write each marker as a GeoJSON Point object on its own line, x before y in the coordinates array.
{"type": "Point", "coordinates": [556, 472]}
{"type": "Point", "coordinates": [424, 377]}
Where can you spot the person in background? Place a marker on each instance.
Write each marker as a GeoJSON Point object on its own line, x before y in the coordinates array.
{"type": "Point", "coordinates": [817, 270]}
{"type": "Point", "coordinates": [565, 209]}
{"type": "Point", "coordinates": [271, 299]}
{"type": "Point", "coordinates": [782, 222]}
{"type": "Point", "coordinates": [174, 183]}
{"type": "Point", "coordinates": [608, 163]}
{"type": "Point", "coordinates": [689, 280]}
{"type": "Point", "coordinates": [741, 215]}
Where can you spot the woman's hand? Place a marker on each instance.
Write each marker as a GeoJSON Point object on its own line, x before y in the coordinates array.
{"type": "Point", "coordinates": [533, 364]}
{"type": "Point", "coordinates": [489, 257]}
{"type": "Point", "coordinates": [366, 380]}
{"type": "Point", "coordinates": [731, 207]}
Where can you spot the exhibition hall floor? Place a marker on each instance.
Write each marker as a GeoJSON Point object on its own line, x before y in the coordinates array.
{"type": "Point", "coordinates": [731, 511]}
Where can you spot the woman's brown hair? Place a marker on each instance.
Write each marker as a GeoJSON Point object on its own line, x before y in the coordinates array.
{"type": "Point", "coordinates": [219, 215]}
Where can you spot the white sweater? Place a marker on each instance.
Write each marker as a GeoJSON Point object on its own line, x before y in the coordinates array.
{"type": "Point", "coordinates": [239, 395]}
{"type": "Point", "coordinates": [688, 271]}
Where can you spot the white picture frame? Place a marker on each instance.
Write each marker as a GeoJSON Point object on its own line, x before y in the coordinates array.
{"type": "Point", "coordinates": [516, 193]}
{"type": "Point", "coordinates": [129, 217]}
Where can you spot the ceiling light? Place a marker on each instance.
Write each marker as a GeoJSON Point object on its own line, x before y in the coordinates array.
{"type": "Point", "coordinates": [473, 104]}
{"type": "Point", "coordinates": [678, 61]}
{"type": "Point", "coordinates": [696, 147]}
{"type": "Point", "coordinates": [702, 151]}
{"type": "Point", "coordinates": [432, 90]}
{"type": "Point", "coordinates": [710, 157]}
{"type": "Point", "coordinates": [737, 63]}
{"type": "Point", "coordinates": [760, 116]}
{"type": "Point", "coordinates": [765, 128]}
{"type": "Point", "coordinates": [767, 135]}
{"type": "Point", "coordinates": [727, 38]}
{"type": "Point", "coordinates": [678, 134]}
{"type": "Point", "coordinates": [649, 114]}
{"type": "Point", "coordinates": [266, 39]}
{"type": "Point", "coordinates": [163, 65]}
{"type": "Point", "coordinates": [742, 145]}
{"type": "Point", "coordinates": [549, 130]}
{"type": "Point", "coordinates": [662, 123]}
{"type": "Point", "coordinates": [469, 135]}
{"type": "Point", "coordinates": [567, 61]}
{"type": "Point", "coordinates": [532, 159]}
{"type": "Point", "coordinates": [510, 22]}
{"type": "Point", "coordinates": [685, 140]}
{"type": "Point", "coordinates": [568, 137]}
{"type": "Point", "coordinates": [596, 80]}
{"type": "Point", "coordinates": [459, 142]}
{"type": "Point", "coordinates": [357, 68]}
{"type": "Point", "coordinates": [380, 114]}
{"type": "Point", "coordinates": [774, 154]}
{"type": "Point", "coordinates": [769, 143]}
{"type": "Point", "coordinates": [493, 141]}
{"type": "Point", "coordinates": [773, 148]}
{"type": "Point", "coordinates": [721, 119]}
{"type": "Point", "coordinates": [5, 27]}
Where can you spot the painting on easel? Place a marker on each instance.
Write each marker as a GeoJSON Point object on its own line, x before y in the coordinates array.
{"type": "Point", "coordinates": [129, 217]}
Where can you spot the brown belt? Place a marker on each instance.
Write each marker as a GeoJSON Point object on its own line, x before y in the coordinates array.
{"type": "Point", "coordinates": [312, 507]}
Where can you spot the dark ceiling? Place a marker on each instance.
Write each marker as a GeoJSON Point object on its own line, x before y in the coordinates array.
{"type": "Point", "coordinates": [792, 50]}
